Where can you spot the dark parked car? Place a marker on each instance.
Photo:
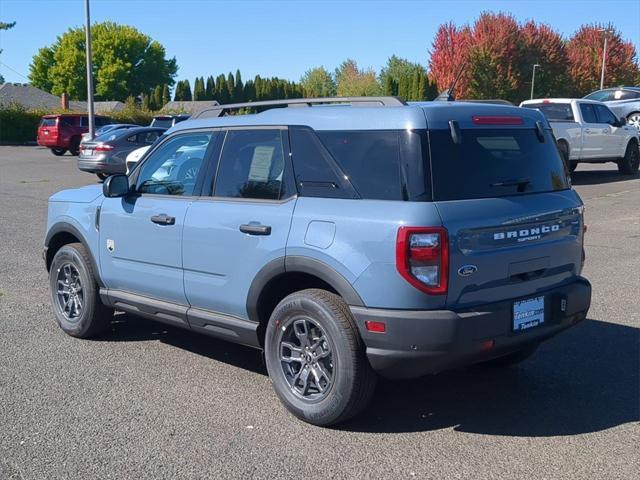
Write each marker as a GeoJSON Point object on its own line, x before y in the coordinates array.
{"type": "Point", "coordinates": [107, 128]}
{"type": "Point", "coordinates": [64, 132]}
{"type": "Point", "coordinates": [168, 121]}
{"type": "Point", "coordinates": [623, 102]}
{"type": "Point", "coordinates": [107, 154]}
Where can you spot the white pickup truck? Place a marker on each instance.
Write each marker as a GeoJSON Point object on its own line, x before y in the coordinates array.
{"type": "Point", "coordinates": [587, 131]}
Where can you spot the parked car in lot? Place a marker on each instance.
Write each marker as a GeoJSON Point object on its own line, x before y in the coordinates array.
{"type": "Point", "coordinates": [106, 154]}
{"type": "Point", "coordinates": [623, 102]}
{"type": "Point", "coordinates": [168, 121]}
{"type": "Point", "coordinates": [587, 131]}
{"type": "Point", "coordinates": [346, 242]}
{"type": "Point", "coordinates": [64, 132]}
{"type": "Point", "coordinates": [107, 128]}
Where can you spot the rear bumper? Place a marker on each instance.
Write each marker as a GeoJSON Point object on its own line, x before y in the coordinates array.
{"type": "Point", "coordinates": [52, 143]}
{"type": "Point", "coordinates": [100, 166]}
{"type": "Point", "coordinates": [419, 342]}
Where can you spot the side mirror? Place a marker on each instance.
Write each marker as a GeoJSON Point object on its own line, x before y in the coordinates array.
{"type": "Point", "coordinates": [115, 186]}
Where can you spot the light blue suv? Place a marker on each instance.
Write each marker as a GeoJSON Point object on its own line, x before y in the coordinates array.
{"type": "Point", "coordinates": [345, 237]}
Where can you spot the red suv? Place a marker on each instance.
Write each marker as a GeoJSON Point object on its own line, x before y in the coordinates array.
{"type": "Point", "coordinates": [63, 132]}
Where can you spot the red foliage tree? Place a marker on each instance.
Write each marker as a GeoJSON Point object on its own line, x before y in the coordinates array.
{"type": "Point", "coordinates": [450, 50]}
{"type": "Point", "coordinates": [584, 54]}
{"type": "Point", "coordinates": [545, 47]}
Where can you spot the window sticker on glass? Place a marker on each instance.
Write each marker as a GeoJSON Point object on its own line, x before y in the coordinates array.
{"type": "Point", "coordinates": [499, 143]}
{"type": "Point", "coordinates": [261, 163]}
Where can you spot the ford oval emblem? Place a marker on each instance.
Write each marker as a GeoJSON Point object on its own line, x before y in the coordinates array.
{"type": "Point", "coordinates": [466, 270]}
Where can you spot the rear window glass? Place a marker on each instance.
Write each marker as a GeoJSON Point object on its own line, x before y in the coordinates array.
{"type": "Point", "coordinates": [162, 122]}
{"type": "Point", "coordinates": [600, 95]}
{"type": "Point", "coordinates": [380, 164]}
{"type": "Point", "coordinates": [494, 163]}
{"type": "Point", "coordinates": [48, 122]}
{"type": "Point", "coordinates": [555, 112]}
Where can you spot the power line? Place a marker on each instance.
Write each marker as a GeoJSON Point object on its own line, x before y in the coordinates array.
{"type": "Point", "coordinates": [13, 70]}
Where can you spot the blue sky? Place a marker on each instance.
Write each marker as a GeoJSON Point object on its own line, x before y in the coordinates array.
{"type": "Point", "coordinates": [284, 38]}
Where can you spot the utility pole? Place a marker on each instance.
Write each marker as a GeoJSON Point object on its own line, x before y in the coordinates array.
{"type": "Point", "coordinates": [87, 29]}
{"type": "Point", "coordinates": [533, 78]}
{"type": "Point", "coordinates": [604, 56]}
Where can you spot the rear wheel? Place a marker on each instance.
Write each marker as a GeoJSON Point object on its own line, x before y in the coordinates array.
{"type": "Point", "coordinates": [74, 293]}
{"type": "Point", "coordinates": [629, 164]}
{"type": "Point", "coordinates": [74, 146]}
{"type": "Point", "coordinates": [316, 359]}
{"type": "Point", "coordinates": [58, 152]}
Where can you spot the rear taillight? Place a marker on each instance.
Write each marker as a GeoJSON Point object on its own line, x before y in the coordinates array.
{"type": "Point", "coordinates": [422, 258]}
{"type": "Point", "coordinates": [105, 147]}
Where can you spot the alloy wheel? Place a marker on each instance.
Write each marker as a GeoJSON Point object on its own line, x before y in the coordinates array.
{"type": "Point", "coordinates": [634, 120]}
{"type": "Point", "coordinates": [306, 358]}
{"type": "Point", "coordinates": [69, 292]}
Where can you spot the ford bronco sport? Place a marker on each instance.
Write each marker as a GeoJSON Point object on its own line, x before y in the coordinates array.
{"type": "Point", "coordinates": [346, 241]}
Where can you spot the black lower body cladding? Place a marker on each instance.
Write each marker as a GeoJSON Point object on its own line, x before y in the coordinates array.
{"type": "Point", "coordinates": [420, 342]}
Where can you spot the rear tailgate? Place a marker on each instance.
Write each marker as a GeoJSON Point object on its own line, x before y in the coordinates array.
{"type": "Point", "coordinates": [48, 132]}
{"type": "Point", "coordinates": [514, 224]}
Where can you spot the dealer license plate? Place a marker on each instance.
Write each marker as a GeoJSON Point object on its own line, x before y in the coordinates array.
{"type": "Point", "coordinates": [528, 313]}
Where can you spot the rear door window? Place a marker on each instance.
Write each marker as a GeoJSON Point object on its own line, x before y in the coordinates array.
{"type": "Point", "coordinates": [252, 165]}
{"type": "Point", "coordinates": [494, 163]}
{"type": "Point", "coordinates": [588, 113]}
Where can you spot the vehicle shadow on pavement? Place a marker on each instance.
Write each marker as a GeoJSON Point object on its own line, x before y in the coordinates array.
{"type": "Point", "coordinates": [598, 177]}
{"type": "Point", "coordinates": [585, 380]}
{"type": "Point", "coordinates": [130, 328]}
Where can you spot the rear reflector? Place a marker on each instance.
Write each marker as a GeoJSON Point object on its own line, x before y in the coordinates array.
{"type": "Point", "coordinates": [376, 327]}
{"type": "Point", "coordinates": [497, 120]}
{"type": "Point", "coordinates": [487, 345]}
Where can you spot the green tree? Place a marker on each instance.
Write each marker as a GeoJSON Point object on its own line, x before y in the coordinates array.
{"type": "Point", "coordinates": [231, 88]}
{"type": "Point", "coordinates": [239, 88]}
{"type": "Point", "coordinates": [183, 91]}
{"type": "Point", "coordinates": [166, 96]}
{"type": "Point", "coordinates": [126, 62]}
{"type": "Point", "coordinates": [318, 82]}
{"type": "Point", "coordinates": [5, 26]}
{"type": "Point", "coordinates": [210, 89]}
{"type": "Point", "coordinates": [351, 81]}
{"type": "Point", "coordinates": [222, 93]}
{"type": "Point", "coordinates": [157, 98]}
{"type": "Point", "coordinates": [199, 91]}
{"type": "Point", "coordinates": [147, 101]}
{"type": "Point", "coordinates": [402, 77]}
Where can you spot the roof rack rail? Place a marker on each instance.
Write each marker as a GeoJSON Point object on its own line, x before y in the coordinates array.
{"type": "Point", "coordinates": [222, 110]}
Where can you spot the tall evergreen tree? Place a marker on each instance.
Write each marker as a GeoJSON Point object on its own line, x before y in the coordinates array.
{"type": "Point", "coordinates": [166, 97]}
{"type": "Point", "coordinates": [210, 88]}
{"type": "Point", "coordinates": [198, 89]}
{"type": "Point", "coordinates": [231, 88]}
{"type": "Point", "coordinates": [157, 98]}
{"type": "Point", "coordinates": [239, 88]}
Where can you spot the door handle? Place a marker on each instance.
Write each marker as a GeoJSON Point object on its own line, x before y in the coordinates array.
{"type": "Point", "coordinates": [606, 130]}
{"type": "Point", "coordinates": [255, 229]}
{"type": "Point", "coordinates": [163, 219]}
{"type": "Point", "coordinates": [587, 130]}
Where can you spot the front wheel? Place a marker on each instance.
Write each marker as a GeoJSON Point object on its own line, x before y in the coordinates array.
{"type": "Point", "coordinates": [74, 293]}
{"type": "Point", "coordinates": [58, 152]}
{"type": "Point", "coordinates": [74, 147]}
{"type": "Point", "coordinates": [629, 164]}
{"type": "Point", "coordinates": [316, 360]}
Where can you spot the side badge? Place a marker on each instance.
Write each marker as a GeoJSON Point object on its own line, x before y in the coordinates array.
{"type": "Point", "coordinates": [466, 270]}
{"type": "Point", "coordinates": [111, 245]}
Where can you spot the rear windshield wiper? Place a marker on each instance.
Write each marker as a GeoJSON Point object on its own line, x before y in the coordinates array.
{"type": "Point", "coordinates": [521, 183]}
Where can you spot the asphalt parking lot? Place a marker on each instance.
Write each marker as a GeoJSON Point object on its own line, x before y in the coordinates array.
{"type": "Point", "coordinates": [151, 401]}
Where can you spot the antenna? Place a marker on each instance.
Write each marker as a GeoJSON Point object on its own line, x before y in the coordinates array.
{"type": "Point", "coordinates": [448, 95]}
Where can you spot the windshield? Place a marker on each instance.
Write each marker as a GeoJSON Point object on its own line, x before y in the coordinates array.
{"type": "Point", "coordinates": [494, 163]}
{"type": "Point", "coordinates": [555, 112]}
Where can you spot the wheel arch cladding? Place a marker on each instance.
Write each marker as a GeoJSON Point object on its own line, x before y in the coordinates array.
{"type": "Point", "coordinates": [61, 234]}
{"type": "Point", "coordinates": [281, 277]}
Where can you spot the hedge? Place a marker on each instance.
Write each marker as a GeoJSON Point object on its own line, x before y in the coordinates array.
{"type": "Point", "coordinates": [19, 125]}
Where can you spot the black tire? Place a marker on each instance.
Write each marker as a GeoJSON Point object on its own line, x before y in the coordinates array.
{"type": "Point", "coordinates": [564, 153]}
{"type": "Point", "coordinates": [102, 176]}
{"type": "Point", "coordinates": [633, 120]}
{"type": "Point", "coordinates": [74, 146]}
{"type": "Point", "coordinates": [58, 152]}
{"type": "Point", "coordinates": [352, 381]}
{"type": "Point", "coordinates": [93, 317]}
{"type": "Point", "coordinates": [511, 359]}
{"type": "Point", "coordinates": [629, 164]}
